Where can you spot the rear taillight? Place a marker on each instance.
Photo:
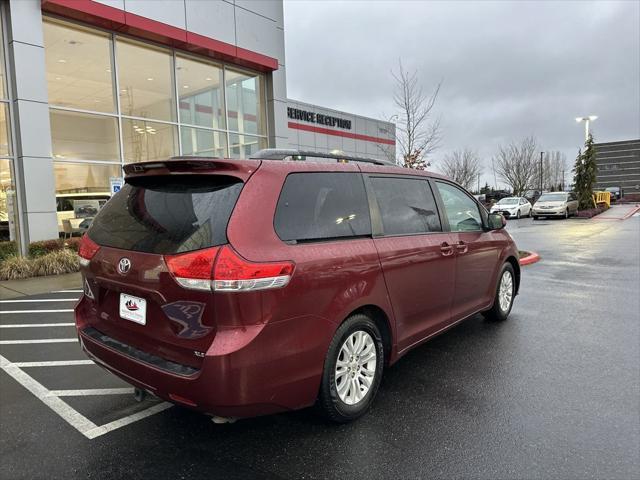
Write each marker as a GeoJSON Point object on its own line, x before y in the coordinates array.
{"type": "Point", "coordinates": [193, 270]}
{"type": "Point", "coordinates": [226, 272]}
{"type": "Point", "coordinates": [87, 250]}
{"type": "Point", "coordinates": [233, 273]}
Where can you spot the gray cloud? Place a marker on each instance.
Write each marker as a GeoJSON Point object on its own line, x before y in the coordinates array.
{"type": "Point", "coordinates": [510, 69]}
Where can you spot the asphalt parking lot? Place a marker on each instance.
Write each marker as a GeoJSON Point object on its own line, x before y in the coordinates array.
{"type": "Point", "coordinates": [551, 393]}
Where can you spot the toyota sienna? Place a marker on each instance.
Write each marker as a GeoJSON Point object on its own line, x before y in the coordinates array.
{"type": "Point", "coordinates": [247, 287]}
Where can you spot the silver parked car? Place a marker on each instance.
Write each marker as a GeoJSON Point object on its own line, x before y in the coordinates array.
{"type": "Point", "coordinates": [555, 204]}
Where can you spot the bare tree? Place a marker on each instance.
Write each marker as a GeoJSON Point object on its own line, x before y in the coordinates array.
{"type": "Point", "coordinates": [462, 166]}
{"type": "Point", "coordinates": [516, 164]}
{"type": "Point", "coordinates": [417, 134]}
{"type": "Point", "coordinates": [555, 165]}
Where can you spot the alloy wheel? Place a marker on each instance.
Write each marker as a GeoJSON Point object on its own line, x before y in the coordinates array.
{"type": "Point", "coordinates": [505, 293]}
{"type": "Point", "coordinates": [356, 367]}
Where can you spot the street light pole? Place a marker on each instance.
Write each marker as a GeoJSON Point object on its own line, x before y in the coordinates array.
{"type": "Point", "coordinates": [541, 154]}
{"type": "Point", "coordinates": [586, 121]}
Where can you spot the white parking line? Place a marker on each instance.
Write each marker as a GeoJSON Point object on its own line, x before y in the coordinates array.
{"type": "Point", "coordinates": [42, 300]}
{"type": "Point", "coordinates": [40, 340]}
{"type": "Point", "coordinates": [92, 391]}
{"type": "Point", "coordinates": [67, 291]}
{"type": "Point", "coordinates": [101, 430]}
{"type": "Point", "coordinates": [37, 325]}
{"type": "Point", "coordinates": [68, 413]}
{"type": "Point", "coordinates": [53, 363]}
{"type": "Point", "coordinates": [66, 310]}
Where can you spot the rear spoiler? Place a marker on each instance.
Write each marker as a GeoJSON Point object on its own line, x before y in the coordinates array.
{"type": "Point", "coordinates": [192, 165]}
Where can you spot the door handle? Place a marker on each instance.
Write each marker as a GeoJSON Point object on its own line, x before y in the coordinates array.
{"type": "Point", "coordinates": [446, 249]}
{"type": "Point", "coordinates": [462, 247]}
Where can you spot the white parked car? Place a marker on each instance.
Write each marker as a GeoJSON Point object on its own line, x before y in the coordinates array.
{"type": "Point", "coordinates": [513, 207]}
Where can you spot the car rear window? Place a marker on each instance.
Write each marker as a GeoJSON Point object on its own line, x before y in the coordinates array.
{"type": "Point", "coordinates": [322, 206]}
{"type": "Point", "coordinates": [166, 215]}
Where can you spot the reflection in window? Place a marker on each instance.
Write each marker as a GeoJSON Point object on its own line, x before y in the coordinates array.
{"type": "Point", "coordinates": [144, 141]}
{"type": "Point", "coordinates": [83, 136]}
{"type": "Point", "coordinates": [146, 81]}
{"type": "Point", "coordinates": [208, 143]}
{"type": "Point", "coordinates": [200, 93]}
{"type": "Point", "coordinates": [78, 63]}
{"type": "Point", "coordinates": [243, 146]}
{"type": "Point", "coordinates": [406, 205]}
{"type": "Point", "coordinates": [245, 104]}
{"type": "Point", "coordinates": [462, 212]}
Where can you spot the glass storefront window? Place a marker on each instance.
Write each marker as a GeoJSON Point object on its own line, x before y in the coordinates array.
{"type": "Point", "coordinates": [243, 146]}
{"type": "Point", "coordinates": [5, 143]}
{"type": "Point", "coordinates": [144, 141]}
{"type": "Point", "coordinates": [79, 71]}
{"type": "Point", "coordinates": [245, 102]}
{"type": "Point", "coordinates": [3, 80]}
{"type": "Point", "coordinates": [72, 178]}
{"type": "Point", "coordinates": [200, 93]}
{"type": "Point", "coordinates": [208, 143]}
{"type": "Point", "coordinates": [145, 81]}
{"type": "Point", "coordinates": [81, 190]}
{"type": "Point", "coordinates": [8, 206]}
{"type": "Point", "coordinates": [83, 136]}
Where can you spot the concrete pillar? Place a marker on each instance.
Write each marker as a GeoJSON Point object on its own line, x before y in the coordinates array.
{"type": "Point", "coordinates": [28, 82]}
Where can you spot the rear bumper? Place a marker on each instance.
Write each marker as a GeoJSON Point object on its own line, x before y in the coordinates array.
{"type": "Point", "coordinates": [249, 371]}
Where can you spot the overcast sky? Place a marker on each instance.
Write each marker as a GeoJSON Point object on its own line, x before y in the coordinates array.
{"type": "Point", "coordinates": [509, 69]}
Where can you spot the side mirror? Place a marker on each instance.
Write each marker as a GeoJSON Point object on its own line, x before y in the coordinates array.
{"type": "Point", "coordinates": [496, 221]}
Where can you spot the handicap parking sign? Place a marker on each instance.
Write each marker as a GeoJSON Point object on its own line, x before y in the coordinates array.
{"type": "Point", "coordinates": [116, 184]}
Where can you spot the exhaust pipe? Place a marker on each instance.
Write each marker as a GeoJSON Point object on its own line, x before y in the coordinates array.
{"type": "Point", "coordinates": [220, 420]}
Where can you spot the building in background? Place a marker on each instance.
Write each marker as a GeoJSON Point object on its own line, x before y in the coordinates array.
{"type": "Point", "coordinates": [87, 86]}
{"type": "Point", "coordinates": [618, 165]}
{"type": "Point", "coordinates": [311, 127]}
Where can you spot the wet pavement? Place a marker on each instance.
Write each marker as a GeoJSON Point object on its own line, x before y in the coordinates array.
{"type": "Point", "coordinates": [551, 393]}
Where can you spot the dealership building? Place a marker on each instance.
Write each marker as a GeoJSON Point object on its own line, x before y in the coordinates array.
{"type": "Point", "coordinates": [87, 86]}
{"type": "Point", "coordinates": [618, 165]}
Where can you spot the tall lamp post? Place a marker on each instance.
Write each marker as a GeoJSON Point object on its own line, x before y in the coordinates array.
{"type": "Point", "coordinates": [586, 121]}
{"type": "Point", "coordinates": [541, 154]}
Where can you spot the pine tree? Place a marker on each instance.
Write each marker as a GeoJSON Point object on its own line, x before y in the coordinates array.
{"type": "Point", "coordinates": [585, 175]}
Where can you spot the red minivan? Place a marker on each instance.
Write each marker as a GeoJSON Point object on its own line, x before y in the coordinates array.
{"type": "Point", "coordinates": [247, 287]}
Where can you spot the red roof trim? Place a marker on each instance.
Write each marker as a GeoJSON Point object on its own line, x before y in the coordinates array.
{"type": "Point", "coordinates": [104, 16]}
{"type": "Point", "coordinates": [339, 133]}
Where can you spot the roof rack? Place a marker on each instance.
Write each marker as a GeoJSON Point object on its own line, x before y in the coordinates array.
{"type": "Point", "coordinates": [301, 155]}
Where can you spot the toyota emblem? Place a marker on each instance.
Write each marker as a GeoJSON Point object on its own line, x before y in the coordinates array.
{"type": "Point", "coordinates": [124, 265]}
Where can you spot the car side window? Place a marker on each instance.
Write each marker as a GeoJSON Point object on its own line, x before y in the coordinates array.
{"type": "Point", "coordinates": [462, 212]}
{"type": "Point", "coordinates": [319, 206]}
{"type": "Point", "coordinates": [407, 205]}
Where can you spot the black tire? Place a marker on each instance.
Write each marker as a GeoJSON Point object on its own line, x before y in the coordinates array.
{"type": "Point", "coordinates": [329, 403]}
{"type": "Point", "coordinates": [495, 313]}
{"type": "Point", "coordinates": [535, 217]}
